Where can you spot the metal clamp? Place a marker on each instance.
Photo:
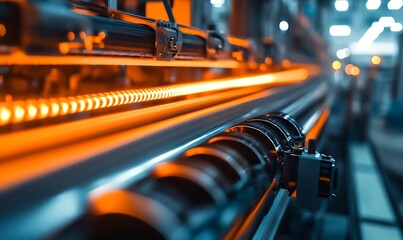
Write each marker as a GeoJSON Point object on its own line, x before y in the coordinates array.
{"type": "Point", "coordinates": [309, 175]}
{"type": "Point", "coordinates": [168, 40]}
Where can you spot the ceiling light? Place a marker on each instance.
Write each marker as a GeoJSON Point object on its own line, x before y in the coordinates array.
{"type": "Point", "coordinates": [283, 26]}
{"type": "Point", "coordinates": [343, 53]}
{"type": "Point", "coordinates": [395, 4]}
{"type": "Point", "coordinates": [217, 3]}
{"type": "Point", "coordinates": [373, 4]}
{"type": "Point", "coordinates": [396, 27]}
{"type": "Point", "coordinates": [371, 34]}
{"type": "Point", "coordinates": [341, 5]}
{"type": "Point", "coordinates": [340, 30]}
{"type": "Point", "coordinates": [387, 48]}
{"type": "Point", "coordinates": [387, 21]}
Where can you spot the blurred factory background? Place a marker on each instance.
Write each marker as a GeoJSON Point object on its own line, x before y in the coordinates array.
{"type": "Point", "coordinates": [201, 119]}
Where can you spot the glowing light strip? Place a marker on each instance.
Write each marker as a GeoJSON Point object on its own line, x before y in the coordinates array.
{"type": "Point", "coordinates": [24, 111]}
{"type": "Point", "coordinates": [20, 58]}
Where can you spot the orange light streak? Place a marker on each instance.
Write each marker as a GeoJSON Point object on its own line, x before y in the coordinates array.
{"type": "Point", "coordinates": [20, 58]}
{"type": "Point", "coordinates": [23, 111]}
{"type": "Point", "coordinates": [238, 41]}
{"type": "Point", "coordinates": [317, 128]}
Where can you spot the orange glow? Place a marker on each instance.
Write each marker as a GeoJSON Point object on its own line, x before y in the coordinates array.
{"type": "Point", "coordinates": [60, 106]}
{"type": "Point", "coordinates": [355, 71]}
{"type": "Point", "coordinates": [268, 61]}
{"type": "Point", "coordinates": [43, 109]}
{"type": "Point", "coordinates": [102, 35]}
{"type": "Point", "coordinates": [238, 41]}
{"type": "Point", "coordinates": [18, 113]}
{"type": "Point", "coordinates": [286, 63]}
{"type": "Point", "coordinates": [54, 109]}
{"type": "Point", "coordinates": [237, 55]}
{"type": "Point", "coordinates": [263, 67]}
{"type": "Point", "coordinates": [64, 48]}
{"type": "Point", "coordinates": [20, 58]}
{"type": "Point", "coordinates": [32, 111]}
{"type": "Point", "coordinates": [22, 164]}
{"type": "Point", "coordinates": [317, 128]}
{"type": "Point", "coordinates": [376, 60]}
{"type": "Point", "coordinates": [348, 69]}
{"type": "Point", "coordinates": [71, 36]}
{"type": "Point", "coordinates": [83, 35]}
{"type": "Point", "coordinates": [3, 30]}
{"type": "Point", "coordinates": [106, 203]}
{"type": "Point", "coordinates": [193, 31]}
{"type": "Point", "coordinates": [5, 115]}
{"type": "Point", "coordinates": [336, 65]}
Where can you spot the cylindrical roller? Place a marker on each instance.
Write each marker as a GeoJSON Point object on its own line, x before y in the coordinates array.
{"type": "Point", "coordinates": [176, 195]}
{"type": "Point", "coordinates": [187, 176]}
{"type": "Point", "coordinates": [252, 151]}
{"type": "Point", "coordinates": [223, 180]}
{"type": "Point", "coordinates": [246, 145]}
{"type": "Point", "coordinates": [292, 127]}
{"type": "Point", "coordinates": [232, 165]}
{"type": "Point", "coordinates": [284, 137]}
{"type": "Point", "coordinates": [266, 137]}
{"type": "Point", "coordinates": [125, 215]}
{"type": "Point", "coordinates": [190, 202]}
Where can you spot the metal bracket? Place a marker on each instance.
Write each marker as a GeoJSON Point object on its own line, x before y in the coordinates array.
{"type": "Point", "coordinates": [309, 175]}
{"type": "Point", "coordinates": [217, 44]}
{"type": "Point", "coordinates": [168, 40]}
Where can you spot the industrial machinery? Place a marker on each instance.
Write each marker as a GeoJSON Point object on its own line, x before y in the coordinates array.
{"type": "Point", "coordinates": [115, 125]}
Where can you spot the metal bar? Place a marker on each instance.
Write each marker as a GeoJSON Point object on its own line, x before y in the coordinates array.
{"type": "Point", "coordinates": [247, 228]}
{"type": "Point", "coordinates": [271, 222]}
{"type": "Point", "coordinates": [168, 10]}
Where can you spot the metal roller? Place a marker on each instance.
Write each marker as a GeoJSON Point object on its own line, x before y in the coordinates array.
{"type": "Point", "coordinates": [266, 137]}
{"type": "Point", "coordinates": [230, 162]}
{"type": "Point", "coordinates": [283, 135]}
{"type": "Point", "coordinates": [190, 202]}
{"type": "Point", "coordinates": [205, 178]}
{"type": "Point", "coordinates": [125, 215]}
{"type": "Point", "coordinates": [251, 150]}
{"type": "Point", "coordinates": [291, 126]}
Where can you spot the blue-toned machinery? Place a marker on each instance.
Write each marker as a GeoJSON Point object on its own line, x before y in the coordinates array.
{"type": "Point", "coordinates": [116, 125]}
